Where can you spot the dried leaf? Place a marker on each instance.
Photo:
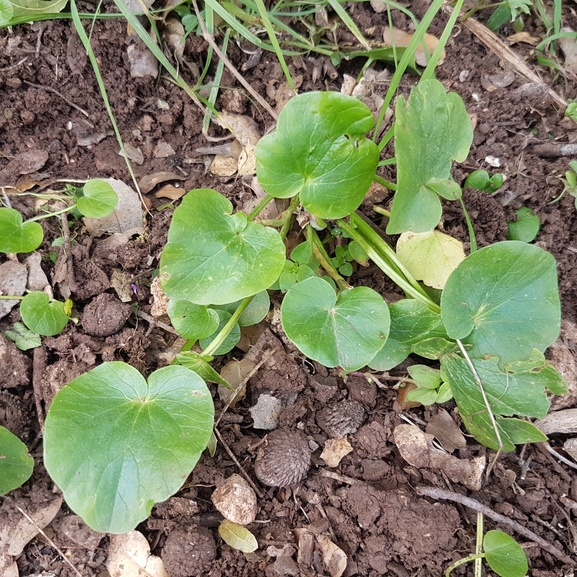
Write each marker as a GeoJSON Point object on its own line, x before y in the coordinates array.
{"type": "Point", "coordinates": [234, 373]}
{"type": "Point", "coordinates": [171, 192]}
{"type": "Point", "coordinates": [445, 430]}
{"type": "Point", "coordinates": [334, 557]}
{"type": "Point", "coordinates": [402, 39]}
{"type": "Point", "coordinates": [173, 34]}
{"type": "Point", "coordinates": [129, 556]}
{"type": "Point", "coordinates": [416, 448]}
{"type": "Point", "coordinates": [524, 37]}
{"type": "Point", "coordinates": [335, 450]}
{"type": "Point", "coordinates": [150, 181]}
{"type": "Point", "coordinates": [237, 536]}
{"type": "Point", "coordinates": [245, 130]}
{"type": "Point", "coordinates": [224, 166]}
{"type": "Point", "coordinates": [569, 47]}
{"type": "Point", "coordinates": [134, 153]}
{"type": "Point", "coordinates": [564, 421]}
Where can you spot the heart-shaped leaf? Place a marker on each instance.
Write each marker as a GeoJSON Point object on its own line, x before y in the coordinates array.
{"type": "Point", "coordinates": [98, 199]}
{"type": "Point", "coordinates": [116, 444]}
{"type": "Point", "coordinates": [431, 130]}
{"type": "Point", "coordinates": [16, 236]}
{"type": "Point", "coordinates": [319, 150]}
{"type": "Point", "coordinates": [42, 315]}
{"type": "Point", "coordinates": [214, 257]}
{"type": "Point", "coordinates": [347, 331]}
{"type": "Point", "coordinates": [16, 464]}
{"type": "Point", "coordinates": [503, 300]}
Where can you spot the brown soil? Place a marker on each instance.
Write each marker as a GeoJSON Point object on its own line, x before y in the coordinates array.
{"type": "Point", "coordinates": [367, 505]}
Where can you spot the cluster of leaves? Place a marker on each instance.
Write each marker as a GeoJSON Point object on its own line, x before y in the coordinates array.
{"type": "Point", "coordinates": [486, 320]}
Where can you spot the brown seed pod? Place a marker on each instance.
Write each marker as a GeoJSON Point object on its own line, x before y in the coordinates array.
{"type": "Point", "coordinates": [284, 459]}
{"type": "Point", "coordinates": [341, 418]}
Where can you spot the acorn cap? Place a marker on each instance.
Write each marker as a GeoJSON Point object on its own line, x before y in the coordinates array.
{"type": "Point", "coordinates": [284, 459]}
{"type": "Point", "coordinates": [341, 419]}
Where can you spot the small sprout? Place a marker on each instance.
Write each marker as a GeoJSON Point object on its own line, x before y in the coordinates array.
{"type": "Point", "coordinates": [283, 460]}
{"type": "Point", "coordinates": [341, 419]}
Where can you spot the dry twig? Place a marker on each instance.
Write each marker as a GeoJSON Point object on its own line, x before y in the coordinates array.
{"type": "Point", "coordinates": [480, 508]}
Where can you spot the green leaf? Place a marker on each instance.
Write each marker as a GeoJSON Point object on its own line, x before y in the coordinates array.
{"type": "Point", "coordinates": [504, 555]}
{"type": "Point", "coordinates": [444, 393]}
{"type": "Point", "coordinates": [230, 341]}
{"type": "Point", "coordinates": [347, 331]}
{"type": "Point", "coordinates": [479, 180]}
{"type": "Point", "coordinates": [426, 397]}
{"type": "Point", "coordinates": [192, 321]}
{"type": "Point", "coordinates": [255, 312]}
{"type": "Point", "coordinates": [23, 337]}
{"type": "Point", "coordinates": [508, 393]}
{"type": "Point", "coordinates": [431, 130]}
{"type": "Point", "coordinates": [426, 377]}
{"type": "Point", "coordinates": [16, 464]}
{"type": "Point", "coordinates": [503, 300]}
{"type": "Point", "coordinates": [357, 253]}
{"type": "Point", "coordinates": [199, 364]}
{"type": "Point", "coordinates": [16, 236]}
{"type": "Point", "coordinates": [411, 322]}
{"type": "Point", "coordinates": [6, 12]}
{"type": "Point", "coordinates": [98, 199]}
{"type": "Point", "coordinates": [214, 257]}
{"type": "Point", "coordinates": [237, 536]}
{"type": "Point", "coordinates": [32, 8]}
{"type": "Point", "coordinates": [319, 150]}
{"type": "Point", "coordinates": [445, 187]}
{"type": "Point", "coordinates": [43, 316]}
{"type": "Point", "coordinates": [430, 256]}
{"type": "Point", "coordinates": [116, 444]}
{"type": "Point", "coordinates": [434, 348]}
{"type": "Point", "coordinates": [526, 227]}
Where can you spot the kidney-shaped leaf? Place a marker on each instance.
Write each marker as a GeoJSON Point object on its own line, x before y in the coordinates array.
{"type": "Point", "coordinates": [15, 463]}
{"type": "Point", "coordinates": [41, 315]}
{"type": "Point", "coordinates": [503, 300]}
{"type": "Point", "coordinates": [98, 199]}
{"type": "Point", "coordinates": [116, 444]}
{"type": "Point", "coordinates": [431, 130]}
{"type": "Point", "coordinates": [504, 555]}
{"type": "Point", "coordinates": [16, 236]}
{"type": "Point", "coordinates": [215, 257]}
{"type": "Point", "coordinates": [347, 331]}
{"type": "Point", "coordinates": [319, 150]}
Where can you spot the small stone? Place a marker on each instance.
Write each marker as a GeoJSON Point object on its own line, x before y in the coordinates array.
{"type": "Point", "coordinates": [236, 500]}
{"type": "Point", "coordinates": [341, 419]}
{"type": "Point", "coordinates": [284, 459]}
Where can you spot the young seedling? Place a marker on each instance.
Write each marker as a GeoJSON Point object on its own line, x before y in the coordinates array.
{"type": "Point", "coordinates": [501, 552]}
{"type": "Point", "coordinates": [569, 182]}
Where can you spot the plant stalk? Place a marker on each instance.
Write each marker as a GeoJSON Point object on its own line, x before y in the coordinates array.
{"type": "Point", "coordinates": [321, 255]}
{"type": "Point", "coordinates": [225, 331]}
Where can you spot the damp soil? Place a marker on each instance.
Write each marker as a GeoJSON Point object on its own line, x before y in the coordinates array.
{"type": "Point", "coordinates": [51, 113]}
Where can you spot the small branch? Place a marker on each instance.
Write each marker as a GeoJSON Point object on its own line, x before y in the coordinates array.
{"type": "Point", "coordinates": [480, 508]}
{"type": "Point", "coordinates": [70, 103]}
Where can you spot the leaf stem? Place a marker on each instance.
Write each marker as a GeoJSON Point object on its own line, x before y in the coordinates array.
{"type": "Point", "coordinates": [479, 545]}
{"type": "Point", "coordinates": [259, 207]}
{"type": "Point", "coordinates": [470, 229]}
{"type": "Point", "coordinates": [225, 331]}
{"type": "Point", "coordinates": [321, 255]}
{"type": "Point", "coordinates": [383, 182]}
{"type": "Point", "coordinates": [50, 214]}
{"type": "Point", "coordinates": [383, 211]}
{"type": "Point", "coordinates": [463, 561]}
{"type": "Point", "coordinates": [11, 298]}
{"type": "Point", "coordinates": [385, 258]}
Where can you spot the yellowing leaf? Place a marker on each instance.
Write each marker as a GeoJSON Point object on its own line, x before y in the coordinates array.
{"type": "Point", "coordinates": [237, 536]}
{"type": "Point", "coordinates": [430, 256]}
